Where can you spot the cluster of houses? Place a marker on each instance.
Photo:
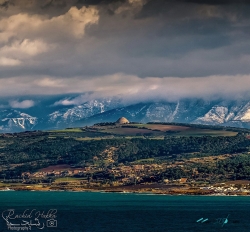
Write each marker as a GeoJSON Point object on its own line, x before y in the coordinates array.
{"type": "Point", "coordinates": [226, 189]}
{"type": "Point", "coordinates": [120, 172]}
{"type": "Point", "coordinates": [118, 175]}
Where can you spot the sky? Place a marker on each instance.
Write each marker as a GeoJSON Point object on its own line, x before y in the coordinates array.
{"type": "Point", "coordinates": [141, 49]}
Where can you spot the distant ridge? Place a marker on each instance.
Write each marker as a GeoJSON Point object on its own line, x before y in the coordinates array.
{"type": "Point", "coordinates": [228, 113]}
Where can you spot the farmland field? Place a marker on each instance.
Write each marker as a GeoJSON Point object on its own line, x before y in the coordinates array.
{"type": "Point", "coordinates": [132, 131]}
{"type": "Point", "coordinates": [156, 131]}
{"type": "Point", "coordinates": [55, 168]}
{"type": "Point", "coordinates": [68, 179]}
{"type": "Point", "coordinates": [68, 130]}
{"type": "Point", "coordinates": [162, 129]}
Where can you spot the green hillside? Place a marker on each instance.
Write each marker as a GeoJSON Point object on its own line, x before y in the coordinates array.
{"type": "Point", "coordinates": [109, 144]}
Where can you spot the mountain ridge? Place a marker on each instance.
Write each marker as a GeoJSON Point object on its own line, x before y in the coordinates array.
{"type": "Point", "coordinates": [235, 113]}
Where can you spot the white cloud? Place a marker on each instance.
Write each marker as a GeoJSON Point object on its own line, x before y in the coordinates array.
{"type": "Point", "coordinates": [169, 88]}
{"type": "Point", "coordinates": [24, 36]}
{"type": "Point", "coordinates": [49, 82]}
{"type": "Point", "coordinates": [76, 20]}
{"type": "Point", "coordinates": [23, 48]}
{"type": "Point", "coordinates": [4, 61]}
{"type": "Point", "coordinates": [73, 22]}
{"type": "Point", "coordinates": [65, 102]}
{"type": "Point", "coordinates": [77, 100]}
{"type": "Point", "coordinates": [22, 104]}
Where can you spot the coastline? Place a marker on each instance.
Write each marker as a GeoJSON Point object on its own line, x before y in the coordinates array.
{"type": "Point", "coordinates": [170, 192]}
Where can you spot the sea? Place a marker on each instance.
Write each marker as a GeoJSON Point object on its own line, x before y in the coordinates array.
{"type": "Point", "coordinates": [121, 212]}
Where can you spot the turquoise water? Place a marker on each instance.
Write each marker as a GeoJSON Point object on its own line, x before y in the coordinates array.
{"type": "Point", "coordinates": [107, 212]}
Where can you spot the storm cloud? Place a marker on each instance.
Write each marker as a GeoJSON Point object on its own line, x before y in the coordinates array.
{"type": "Point", "coordinates": [175, 49]}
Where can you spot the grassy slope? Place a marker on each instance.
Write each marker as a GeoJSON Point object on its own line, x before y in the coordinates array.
{"type": "Point", "coordinates": [153, 130]}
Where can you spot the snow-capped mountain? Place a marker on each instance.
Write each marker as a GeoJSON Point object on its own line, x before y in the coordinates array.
{"type": "Point", "coordinates": [68, 116]}
{"type": "Point", "coordinates": [216, 112]}
{"type": "Point", "coordinates": [234, 113]}
{"type": "Point", "coordinates": [13, 120]}
{"type": "Point", "coordinates": [227, 113]}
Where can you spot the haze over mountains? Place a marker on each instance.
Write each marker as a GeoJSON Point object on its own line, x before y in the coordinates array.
{"type": "Point", "coordinates": [44, 115]}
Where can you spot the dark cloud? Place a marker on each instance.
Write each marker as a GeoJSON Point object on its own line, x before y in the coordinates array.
{"type": "Point", "coordinates": [4, 5]}
{"type": "Point", "coordinates": [218, 2]}
{"type": "Point", "coordinates": [97, 2]}
{"type": "Point", "coordinates": [69, 45]}
{"type": "Point", "coordinates": [47, 4]}
{"type": "Point", "coordinates": [54, 3]}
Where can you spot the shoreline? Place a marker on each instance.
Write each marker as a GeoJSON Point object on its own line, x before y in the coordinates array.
{"type": "Point", "coordinates": [170, 192]}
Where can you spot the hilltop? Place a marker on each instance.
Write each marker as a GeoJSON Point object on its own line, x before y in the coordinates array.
{"type": "Point", "coordinates": [122, 120]}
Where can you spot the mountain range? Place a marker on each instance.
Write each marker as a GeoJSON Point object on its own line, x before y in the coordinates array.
{"type": "Point", "coordinates": [44, 116]}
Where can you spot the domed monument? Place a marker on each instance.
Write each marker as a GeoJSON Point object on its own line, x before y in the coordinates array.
{"type": "Point", "coordinates": [122, 120]}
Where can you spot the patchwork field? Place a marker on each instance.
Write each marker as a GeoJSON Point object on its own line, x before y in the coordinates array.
{"type": "Point", "coordinates": [162, 130]}
{"type": "Point", "coordinates": [152, 131]}
{"type": "Point", "coordinates": [132, 131]}
{"type": "Point", "coordinates": [55, 168]}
